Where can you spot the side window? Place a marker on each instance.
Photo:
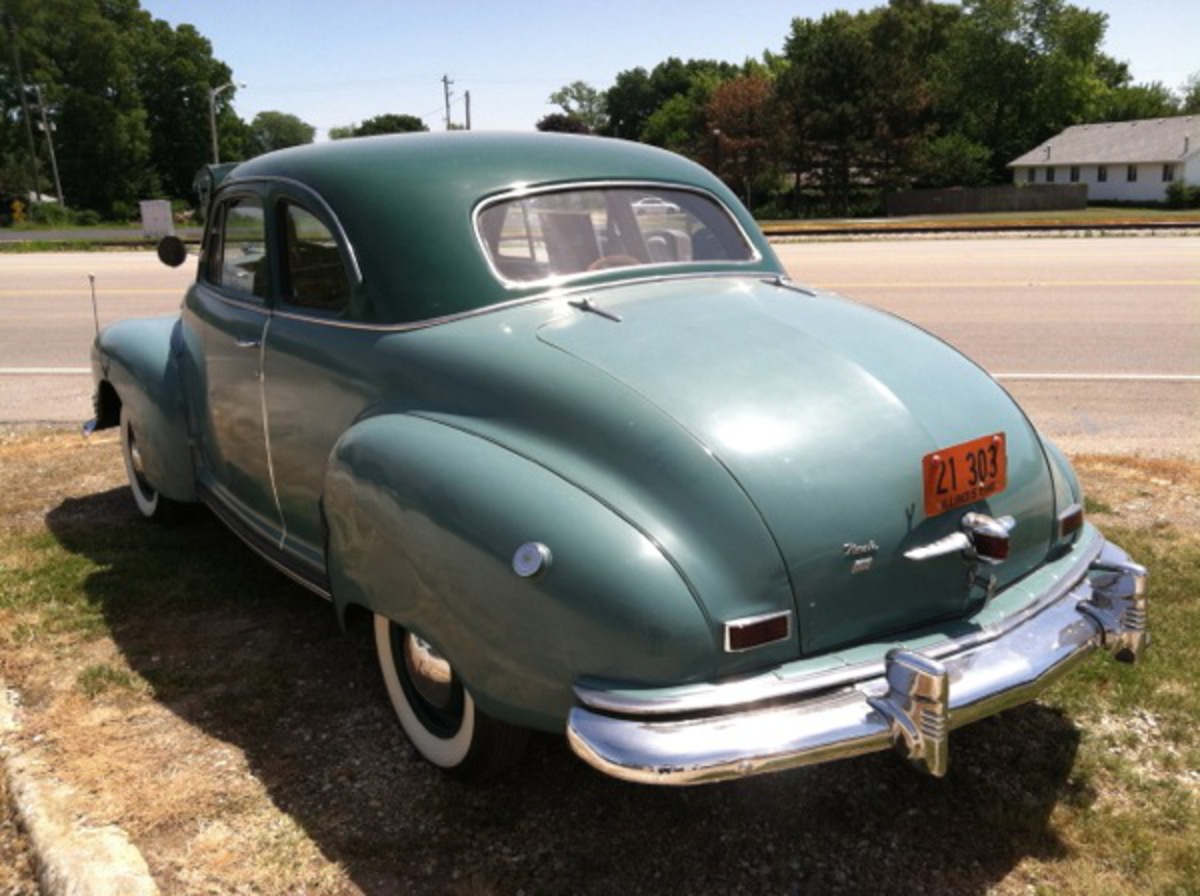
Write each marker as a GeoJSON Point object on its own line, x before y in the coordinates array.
{"type": "Point", "coordinates": [314, 277]}
{"type": "Point", "coordinates": [237, 258]}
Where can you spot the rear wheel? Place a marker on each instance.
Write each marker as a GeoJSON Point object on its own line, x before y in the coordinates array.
{"type": "Point", "coordinates": [437, 712]}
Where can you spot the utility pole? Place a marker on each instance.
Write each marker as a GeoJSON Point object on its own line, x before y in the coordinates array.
{"type": "Point", "coordinates": [50, 145]}
{"type": "Point", "coordinates": [446, 82]}
{"type": "Point", "coordinates": [16, 53]}
{"type": "Point", "coordinates": [467, 98]}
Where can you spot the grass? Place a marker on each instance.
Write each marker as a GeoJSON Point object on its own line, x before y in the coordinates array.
{"type": "Point", "coordinates": [1095, 216]}
{"type": "Point", "coordinates": [216, 711]}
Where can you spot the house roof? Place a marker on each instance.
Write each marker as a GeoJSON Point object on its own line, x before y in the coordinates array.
{"type": "Point", "coordinates": [1119, 142]}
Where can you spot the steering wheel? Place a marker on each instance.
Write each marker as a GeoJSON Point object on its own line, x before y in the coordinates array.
{"type": "Point", "coordinates": [604, 262]}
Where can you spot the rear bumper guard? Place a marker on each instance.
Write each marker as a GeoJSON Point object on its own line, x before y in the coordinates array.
{"type": "Point", "coordinates": [912, 706]}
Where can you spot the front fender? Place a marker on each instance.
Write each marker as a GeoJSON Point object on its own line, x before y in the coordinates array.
{"type": "Point", "coordinates": [424, 520]}
{"type": "Point", "coordinates": [138, 359]}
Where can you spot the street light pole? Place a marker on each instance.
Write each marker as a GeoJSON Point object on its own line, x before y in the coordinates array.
{"type": "Point", "coordinates": [50, 146]}
{"type": "Point", "coordinates": [213, 93]}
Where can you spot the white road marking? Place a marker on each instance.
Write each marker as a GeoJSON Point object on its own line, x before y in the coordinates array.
{"type": "Point", "coordinates": [44, 371]}
{"type": "Point", "coordinates": [1104, 377]}
{"type": "Point", "coordinates": [1077, 377]}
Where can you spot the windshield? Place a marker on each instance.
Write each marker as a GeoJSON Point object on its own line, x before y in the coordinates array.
{"type": "Point", "coordinates": [574, 231]}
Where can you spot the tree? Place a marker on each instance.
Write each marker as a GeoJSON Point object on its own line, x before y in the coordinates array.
{"type": "Point", "coordinates": [583, 102]}
{"type": "Point", "coordinates": [175, 71]}
{"type": "Point", "coordinates": [1044, 72]}
{"type": "Point", "coordinates": [1189, 103]}
{"type": "Point", "coordinates": [561, 123]}
{"type": "Point", "coordinates": [278, 130]}
{"type": "Point", "coordinates": [126, 97]}
{"type": "Point", "coordinates": [741, 115]}
{"type": "Point", "coordinates": [1135, 101]}
{"type": "Point", "coordinates": [637, 95]}
{"type": "Point", "coordinates": [390, 123]}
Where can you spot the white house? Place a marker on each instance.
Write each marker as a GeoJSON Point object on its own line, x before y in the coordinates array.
{"type": "Point", "coordinates": [1125, 161]}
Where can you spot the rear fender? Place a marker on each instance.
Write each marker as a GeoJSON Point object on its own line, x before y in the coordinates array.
{"type": "Point", "coordinates": [138, 360]}
{"type": "Point", "coordinates": [424, 520]}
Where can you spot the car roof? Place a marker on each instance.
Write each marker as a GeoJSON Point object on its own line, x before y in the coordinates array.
{"type": "Point", "coordinates": [406, 203]}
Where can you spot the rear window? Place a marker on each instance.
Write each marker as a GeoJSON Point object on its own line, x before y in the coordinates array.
{"type": "Point", "coordinates": [557, 234]}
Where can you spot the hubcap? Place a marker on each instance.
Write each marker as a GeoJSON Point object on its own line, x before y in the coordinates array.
{"type": "Point", "coordinates": [430, 674]}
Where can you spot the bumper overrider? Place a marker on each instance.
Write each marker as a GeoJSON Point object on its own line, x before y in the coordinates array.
{"type": "Point", "coordinates": [910, 701]}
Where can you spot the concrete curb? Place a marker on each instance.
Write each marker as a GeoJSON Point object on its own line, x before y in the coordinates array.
{"type": "Point", "coordinates": [73, 857]}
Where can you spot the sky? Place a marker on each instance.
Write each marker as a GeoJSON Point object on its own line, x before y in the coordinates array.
{"type": "Point", "coordinates": [338, 63]}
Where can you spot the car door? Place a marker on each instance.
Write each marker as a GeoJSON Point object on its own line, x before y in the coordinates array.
{"type": "Point", "coordinates": [227, 316]}
{"type": "Point", "coordinates": [316, 365]}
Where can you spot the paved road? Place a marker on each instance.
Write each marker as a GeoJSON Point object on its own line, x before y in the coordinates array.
{"type": "Point", "coordinates": [1098, 338]}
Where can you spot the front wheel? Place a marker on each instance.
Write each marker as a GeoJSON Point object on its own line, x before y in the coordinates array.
{"type": "Point", "coordinates": [150, 503]}
{"type": "Point", "coordinates": [437, 712]}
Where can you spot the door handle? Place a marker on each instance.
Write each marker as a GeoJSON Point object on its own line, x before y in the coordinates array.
{"type": "Point", "coordinates": [248, 343]}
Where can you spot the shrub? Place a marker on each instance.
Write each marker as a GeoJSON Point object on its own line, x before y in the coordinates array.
{"type": "Point", "coordinates": [87, 218]}
{"type": "Point", "coordinates": [1183, 195]}
{"type": "Point", "coordinates": [49, 213]}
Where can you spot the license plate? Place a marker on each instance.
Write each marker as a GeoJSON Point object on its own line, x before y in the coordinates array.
{"type": "Point", "coordinates": [966, 473]}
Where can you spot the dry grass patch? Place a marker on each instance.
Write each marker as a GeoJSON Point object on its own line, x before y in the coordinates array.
{"type": "Point", "coordinates": [216, 712]}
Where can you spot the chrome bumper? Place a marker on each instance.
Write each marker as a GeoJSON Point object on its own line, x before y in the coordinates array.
{"type": "Point", "coordinates": [911, 701]}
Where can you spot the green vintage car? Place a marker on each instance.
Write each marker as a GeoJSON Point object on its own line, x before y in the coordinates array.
{"type": "Point", "coordinates": [549, 408]}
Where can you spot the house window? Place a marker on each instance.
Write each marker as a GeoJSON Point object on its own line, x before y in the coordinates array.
{"type": "Point", "coordinates": [1049, 175]}
{"type": "Point", "coordinates": [1032, 174]}
{"type": "Point", "coordinates": [1131, 174]}
{"type": "Point", "coordinates": [1168, 173]}
{"type": "Point", "coordinates": [1074, 174]}
{"type": "Point", "coordinates": [1102, 174]}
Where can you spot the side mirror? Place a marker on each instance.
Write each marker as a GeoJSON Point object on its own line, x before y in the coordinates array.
{"type": "Point", "coordinates": [171, 251]}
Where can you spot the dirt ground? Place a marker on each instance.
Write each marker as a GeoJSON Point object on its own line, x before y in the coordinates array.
{"type": "Point", "coordinates": [215, 711]}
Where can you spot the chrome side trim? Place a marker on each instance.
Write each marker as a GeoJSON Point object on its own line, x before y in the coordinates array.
{"type": "Point", "coordinates": [261, 545]}
{"type": "Point", "coordinates": [266, 424]}
{"type": "Point", "coordinates": [543, 295]}
{"type": "Point", "coordinates": [911, 706]}
{"type": "Point", "coordinates": [772, 686]}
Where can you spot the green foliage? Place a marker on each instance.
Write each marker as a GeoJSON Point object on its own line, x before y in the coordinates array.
{"type": "Point", "coordinates": [951, 160]}
{"type": "Point", "coordinates": [390, 123]}
{"type": "Point", "coordinates": [1183, 195]}
{"type": "Point", "coordinates": [562, 123]}
{"type": "Point", "coordinates": [273, 130]}
{"type": "Point", "coordinates": [1130, 102]}
{"type": "Point", "coordinates": [583, 103]}
{"type": "Point", "coordinates": [1189, 102]}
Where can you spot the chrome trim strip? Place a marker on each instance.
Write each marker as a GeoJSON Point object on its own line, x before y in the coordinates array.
{"type": "Point", "coordinates": [260, 544]}
{"type": "Point", "coordinates": [770, 686]}
{"type": "Point", "coordinates": [266, 424]}
{"type": "Point", "coordinates": [911, 706]}
{"type": "Point", "coordinates": [555, 292]}
{"type": "Point", "coordinates": [567, 186]}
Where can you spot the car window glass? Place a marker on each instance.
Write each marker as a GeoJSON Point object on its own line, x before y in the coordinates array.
{"type": "Point", "coordinates": [579, 230]}
{"type": "Point", "coordinates": [237, 259]}
{"type": "Point", "coordinates": [315, 276]}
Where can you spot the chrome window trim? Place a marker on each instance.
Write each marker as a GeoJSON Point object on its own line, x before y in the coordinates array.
{"type": "Point", "coordinates": [304, 190]}
{"type": "Point", "coordinates": [224, 293]}
{"type": "Point", "coordinates": [567, 186]}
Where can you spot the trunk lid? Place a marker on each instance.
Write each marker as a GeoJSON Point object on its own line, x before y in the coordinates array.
{"type": "Point", "coordinates": [822, 410]}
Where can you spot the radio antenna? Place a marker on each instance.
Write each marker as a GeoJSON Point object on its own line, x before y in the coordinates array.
{"type": "Point", "coordinates": [95, 313]}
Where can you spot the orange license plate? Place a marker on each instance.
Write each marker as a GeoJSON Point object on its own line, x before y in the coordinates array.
{"type": "Point", "coordinates": [964, 474]}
